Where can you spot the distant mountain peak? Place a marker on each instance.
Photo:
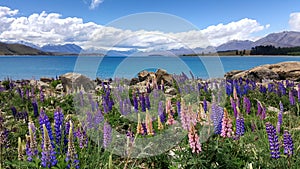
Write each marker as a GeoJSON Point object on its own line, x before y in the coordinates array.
{"type": "Point", "coordinates": [65, 48]}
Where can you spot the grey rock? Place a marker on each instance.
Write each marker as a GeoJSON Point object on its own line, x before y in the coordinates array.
{"type": "Point", "coordinates": [163, 75]}
{"type": "Point", "coordinates": [76, 80]}
{"type": "Point", "coordinates": [279, 71]}
{"type": "Point", "coordinates": [171, 91]}
{"type": "Point", "coordinates": [143, 75]}
{"type": "Point", "coordinates": [46, 79]}
{"type": "Point", "coordinates": [59, 87]}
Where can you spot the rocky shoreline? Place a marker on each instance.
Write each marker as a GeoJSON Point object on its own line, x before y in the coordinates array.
{"type": "Point", "coordinates": [279, 71]}
{"type": "Point", "coordinates": [147, 81]}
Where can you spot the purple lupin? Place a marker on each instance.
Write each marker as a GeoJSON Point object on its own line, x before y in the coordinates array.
{"type": "Point", "coordinates": [279, 120]}
{"type": "Point", "coordinates": [107, 134]}
{"type": "Point", "coordinates": [291, 98]}
{"type": "Point", "coordinates": [273, 141]}
{"type": "Point", "coordinates": [288, 144]}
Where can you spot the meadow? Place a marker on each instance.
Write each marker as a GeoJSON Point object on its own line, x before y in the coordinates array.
{"type": "Point", "coordinates": [207, 124]}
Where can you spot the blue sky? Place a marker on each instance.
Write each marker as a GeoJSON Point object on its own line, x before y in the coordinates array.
{"type": "Point", "coordinates": [269, 16]}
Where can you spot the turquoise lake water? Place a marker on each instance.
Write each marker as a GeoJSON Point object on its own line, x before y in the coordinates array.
{"type": "Point", "coordinates": [28, 67]}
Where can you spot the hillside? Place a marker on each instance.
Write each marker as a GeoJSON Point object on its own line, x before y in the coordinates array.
{"type": "Point", "coordinates": [18, 49]}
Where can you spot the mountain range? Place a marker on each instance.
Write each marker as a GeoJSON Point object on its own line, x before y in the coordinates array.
{"type": "Point", "coordinates": [281, 39]}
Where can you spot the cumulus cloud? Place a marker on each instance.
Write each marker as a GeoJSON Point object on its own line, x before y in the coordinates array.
{"type": "Point", "coordinates": [95, 3]}
{"type": "Point", "coordinates": [295, 21]}
{"type": "Point", "coordinates": [51, 28]}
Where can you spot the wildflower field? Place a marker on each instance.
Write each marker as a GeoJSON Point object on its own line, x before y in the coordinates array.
{"type": "Point", "coordinates": [208, 124]}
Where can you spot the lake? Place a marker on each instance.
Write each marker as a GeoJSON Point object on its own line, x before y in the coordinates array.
{"type": "Point", "coordinates": [28, 67]}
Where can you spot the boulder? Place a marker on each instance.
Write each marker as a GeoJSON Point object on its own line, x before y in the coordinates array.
{"type": "Point", "coordinates": [42, 85]}
{"type": "Point", "coordinates": [134, 81]}
{"type": "Point", "coordinates": [143, 75]}
{"type": "Point", "coordinates": [171, 91]}
{"type": "Point", "coordinates": [279, 71]}
{"type": "Point", "coordinates": [76, 80]}
{"type": "Point", "coordinates": [232, 73]}
{"type": "Point", "coordinates": [59, 87]}
{"type": "Point", "coordinates": [46, 79]}
{"type": "Point", "coordinates": [163, 75]}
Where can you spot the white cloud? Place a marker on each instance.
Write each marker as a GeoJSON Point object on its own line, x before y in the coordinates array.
{"type": "Point", "coordinates": [95, 3]}
{"type": "Point", "coordinates": [51, 28]}
{"type": "Point", "coordinates": [295, 21]}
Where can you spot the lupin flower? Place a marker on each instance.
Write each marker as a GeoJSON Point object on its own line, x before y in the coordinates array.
{"type": "Point", "coordinates": [201, 113]}
{"type": "Point", "coordinates": [229, 89]}
{"type": "Point", "coordinates": [144, 128]}
{"type": "Point", "coordinates": [14, 111]}
{"type": "Point", "coordinates": [226, 125]}
{"type": "Point", "coordinates": [48, 153]}
{"type": "Point", "coordinates": [66, 131]}
{"type": "Point", "coordinates": [184, 118]}
{"type": "Point", "coordinates": [98, 119]}
{"type": "Point", "coordinates": [58, 125]}
{"type": "Point", "coordinates": [216, 116]}
{"type": "Point", "coordinates": [35, 108]}
{"type": "Point", "coordinates": [107, 134]}
{"type": "Point", "coordinates": [148, 87]}
{"type": "Point", "coordinates": [247, 104]}
{"type": "Point", "coordinates": [43, 119]}
{"type": "Point", "coordinates": [82, 137]}
{"type": "Point", "coordinates": [233, 105]}
{"type": "Point", "coordinates": [31, 146]}
{"type": "Point", "coordinates": [149, 124]}
{"type": "Point", "coordinates": [135, 103]}
{"type": "Point", "coordinates": [246, 88]}
{"type": "Point", "coordinates": [262, 89]}
{"type": "Point", "coordinates": [273, 141]}
{"type": "Point", "coordinates": [279, 120]}
{"type": "Point", "coordinates": [205, 105]}
{"type": "Point", "coordinates": [20, 149]}
{"type": "Point", "coordinates": [291, 98]}
{"type": "Point", "coordinates": [72, 157]}
{"type": "Point", "coordinates": [162, 85]}
{"type": "Point", "coordinates": [259, 108]}
{"type": "Point", "coordinates": [261, 111]}
{"type": "Point", "coordinates": [27, 94]}
{"type": "Point", "coordinates": [89, 120]}
{"type": "Point", "coordinates": [139, 129]}
{"type": "Point", "coordinates": [288, 143]}
{"type": "Point", "coordinates": [170, 120]}
{"type": "Point", "coordinates": [160, 126]}
{"type": "Point", "coordinates": [178, 108]}
{"type": "Point", "coordinates": [205, 88]}
{"type": "Point", "coordinates": [281, 88]}
{"type": "Point", "coordinates": [235, 93]}
{"type": "Point", "coordinates": [240, 125]}
{"type": "Point", "coordinates": [194, 140]}
{"type": "Point", "coordinates": [21, 93]}
{"type": "Point", "coordinates": [42, 96]}
{"type": "Point", "coordinates": [270, 87]}
{"type": "Point", "coordinates": [142, 102]}
{"type": "Point", "coordinates": [147, 101]}
{"type": "Point", "coordinates": [161, 112]}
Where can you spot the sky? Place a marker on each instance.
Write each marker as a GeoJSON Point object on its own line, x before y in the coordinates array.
{"type": "Point", "coordinates": [144, 24]}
